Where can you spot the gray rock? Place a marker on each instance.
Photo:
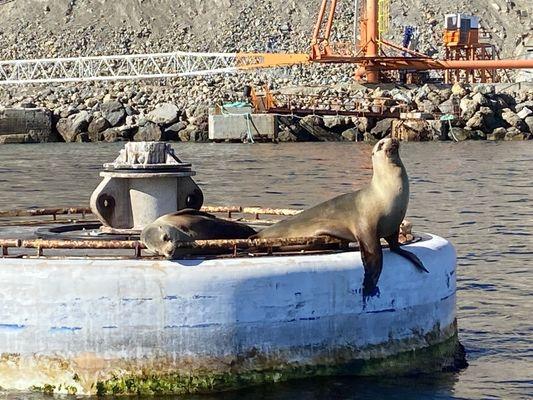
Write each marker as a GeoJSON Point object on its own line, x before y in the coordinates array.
{"type": "Point", "coordinates": [497, 134]}
{"type": "Point", "coordinates": [483, 120]}
{"type": "Point", "coordinates": [480, 99]}
{"type": "Point", "coordinates": [285, 135]}
{"type": "Point", "coordinates": [150, 132]}
{"type": "Point", "coordinates": [529, 123]}
{"type": "Point", "coordinates": [96, 127]}
{"type": "Point", "coordinates": [460, 134]}
{"type": "Point", "coordinates": [113, 112]}
{"type": "Point", "coordinates": [514, 120]}
{"type": "Point", "coordinates": [514, 134]}
{"type": "Point", "coordinates": [178, 126]}
{"type": "Point", "coordinates": [484, 89]}
{"type": "Point", "coordinates": [164, 114]}
{"type": "Point", "coordinates": [524, 113]}
{"type": "Point", "coordinates": [468, 108]}
{"type": "Point", "coordinates": [521, 106]}
{"type": "Point", "coordinates": [333, 122]}
{"type": "Point", "coordinates": [449, 106]}
{"type": "Point", "coordinates": [351, 134]}
{"type": "Point", "coordinates": [111, 135]}
{"type": "Point", "coordinates": [382, 128]}
{"type": "Point", "coordinates": [71, 127]}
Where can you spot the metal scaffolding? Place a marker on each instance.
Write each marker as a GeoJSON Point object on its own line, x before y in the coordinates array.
{"type": "Point", "coordinates": [121, 67]}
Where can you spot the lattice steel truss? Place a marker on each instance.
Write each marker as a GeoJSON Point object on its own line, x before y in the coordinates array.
{"type": "Point", "coordinates": [121, 67]}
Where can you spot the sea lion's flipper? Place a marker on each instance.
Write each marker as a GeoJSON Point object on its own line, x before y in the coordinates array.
{"type": "Point", "coordinates": [394, 245]}
{"type": "Point", "coordinates": [372, 256]}
{"type": "Point", "coordinates": [336, 232]}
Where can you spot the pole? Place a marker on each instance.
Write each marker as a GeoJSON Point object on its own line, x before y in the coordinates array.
{"type": "Point", "coordinates": [372, 47]}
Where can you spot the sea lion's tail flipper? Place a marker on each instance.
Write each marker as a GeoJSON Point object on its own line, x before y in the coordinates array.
{"type": "Point", "coordinates": [372, 256]}
{"type": "Point", "coordinates": [411, 257]}
{"type": "Point", "coordinates": [394, 245]}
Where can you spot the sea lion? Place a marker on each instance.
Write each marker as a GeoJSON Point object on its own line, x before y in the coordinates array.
{"type": "Point", "coordinates": [187, 225]}
{"type": "Point", "coordinates": [367, 215]}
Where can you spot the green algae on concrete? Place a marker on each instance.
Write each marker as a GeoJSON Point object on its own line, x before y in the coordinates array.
{"type": "Point", "coordinates": [446, 356]}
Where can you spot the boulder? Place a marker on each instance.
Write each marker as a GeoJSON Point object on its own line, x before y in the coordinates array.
{"type": "Point", "coordinates": [383, 128]}
{"type": "Point", "coordinates": [460, 134]}
{"type": "Point", "coordinates": [480, 99]}
{"type": "Point", "coordinates": [285, 135]}
{"type": "Point", "coordinates": [149, 132]}
{"type": "Point", "coordinates": [113, 112]}
{"type": "Point", "coordinates": [458, 89]}
{"type": "Point", "coordinates": [468, 108]}
{"type": "Point", "coordinates": [332, 122]}
{"type": "Point", "coordinates": [449, 106]}
{"type": "Point", "coordinates": [415, 130]}
{"type": "Point", "coordinates": [364, 124]}
{"type": "Point", "coordinates": [484, 89]}
{"type": "Point", "coordinates": [351, 135]}
{"type": "Point", "coordinates": [96, 127]}
{"type": "Point", "coordinates": [497, 134]}
{"type": "Point", "coordinates": [521, 106]}
{"type": "Point", "coordinates": [71, 127]}
{"type": "Point", "coordinates": [111, 135]}
{"type": "Point", "coordinates": [524, 113]}
{"type": "Point", "coordinates": [514, 134]}
{"type": "Point", "coordinates": [529, 123]}
{"type": "Point", "coordinates": [513, 120]}
{"type": "Point", "coordinates": [483, 120]}
{"type": "Point", "coordinates": [164, 114]}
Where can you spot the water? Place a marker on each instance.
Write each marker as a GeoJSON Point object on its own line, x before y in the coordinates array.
{"type": "Point", "coordinates": [476, 194]}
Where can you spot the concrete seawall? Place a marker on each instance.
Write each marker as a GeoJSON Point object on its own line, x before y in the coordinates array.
{"type": "Point", "coordinates": [102, 326]}
{"type": "Point", "coordinates": [26, 125]}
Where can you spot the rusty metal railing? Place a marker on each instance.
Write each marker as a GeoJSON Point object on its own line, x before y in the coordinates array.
{"type": "Point", "coordinates": [227, 247]}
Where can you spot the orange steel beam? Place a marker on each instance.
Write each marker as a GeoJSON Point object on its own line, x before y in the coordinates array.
{"type": "Point", "coordinates": [266, 60]}
{"type": "Point", "coordinates": [320, 19]}
{"type": "Point", "coordinates": [331, 17]}
{"type": "Point", "coordinates": [372, 47]}
{"type": "Point", "coordinates": [427, 64]}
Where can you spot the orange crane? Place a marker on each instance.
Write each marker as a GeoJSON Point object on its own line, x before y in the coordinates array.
{"type": "Point", "coordinates": [370, 55]}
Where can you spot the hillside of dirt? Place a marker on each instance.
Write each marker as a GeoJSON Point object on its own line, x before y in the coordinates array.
{"type": "Point", "coordinates": [87, 111]}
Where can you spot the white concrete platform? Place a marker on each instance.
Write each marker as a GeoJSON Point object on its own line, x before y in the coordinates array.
{"type": "Point", "coordinates": [238, 123]}
{"type": "Point", "coordinates": [143, 326]}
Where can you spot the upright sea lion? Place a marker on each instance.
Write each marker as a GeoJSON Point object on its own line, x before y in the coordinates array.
{"type": "Point", "coordinates": [367, 215]}
{"type": "Point", "coordinates": [187, 225]}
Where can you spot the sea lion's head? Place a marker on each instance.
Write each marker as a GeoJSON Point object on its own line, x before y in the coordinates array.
{"type": "Point", "coordinates": [386, 150]}
{"type": "Point", "coordinates": [160, 238]}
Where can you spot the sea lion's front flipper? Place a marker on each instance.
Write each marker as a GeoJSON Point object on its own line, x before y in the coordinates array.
{"type": "Point", "coordinates": [372, 256]}
{"type": "Point", "coordinates": [394, 245]}
{"type": "Point", "coordinates": [335, 232]}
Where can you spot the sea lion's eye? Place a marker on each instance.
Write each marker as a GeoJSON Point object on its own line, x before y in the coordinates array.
{"type": "Point", "coordinates": [166, 238]}
{"type": "Point", "coordinates": [380, 146]}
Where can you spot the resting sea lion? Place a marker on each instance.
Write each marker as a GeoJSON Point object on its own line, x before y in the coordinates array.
{"type": "Point", "coordinates": [367, 215]}
{"type": "Point", "coordinates": [187, 225]}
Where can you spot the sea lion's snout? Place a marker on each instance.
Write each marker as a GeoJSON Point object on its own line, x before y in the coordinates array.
{"type": "Point", "coordinates": [388, 146]}
{"type": "Point", "coordinates": [392, 147]}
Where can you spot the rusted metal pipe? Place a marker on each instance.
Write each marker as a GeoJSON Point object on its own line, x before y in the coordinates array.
{"type": "Point", "coordinates": [372, 48]}
{"type": "Point", "coordinates": [72, 244]}
{"type": "Point", "coordinates": [331, 17]}
{"type": "Point", "coordinates": [318, 25]}
{"type": "Point", "coordinates": [45, 211]}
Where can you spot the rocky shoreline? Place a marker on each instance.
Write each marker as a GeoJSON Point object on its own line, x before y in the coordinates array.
{"type": "Point", "coordinates": [123, 113]}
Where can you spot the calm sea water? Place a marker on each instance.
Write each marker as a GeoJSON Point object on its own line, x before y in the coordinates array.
{"type": "Point", "coordinates": [476, 194]}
